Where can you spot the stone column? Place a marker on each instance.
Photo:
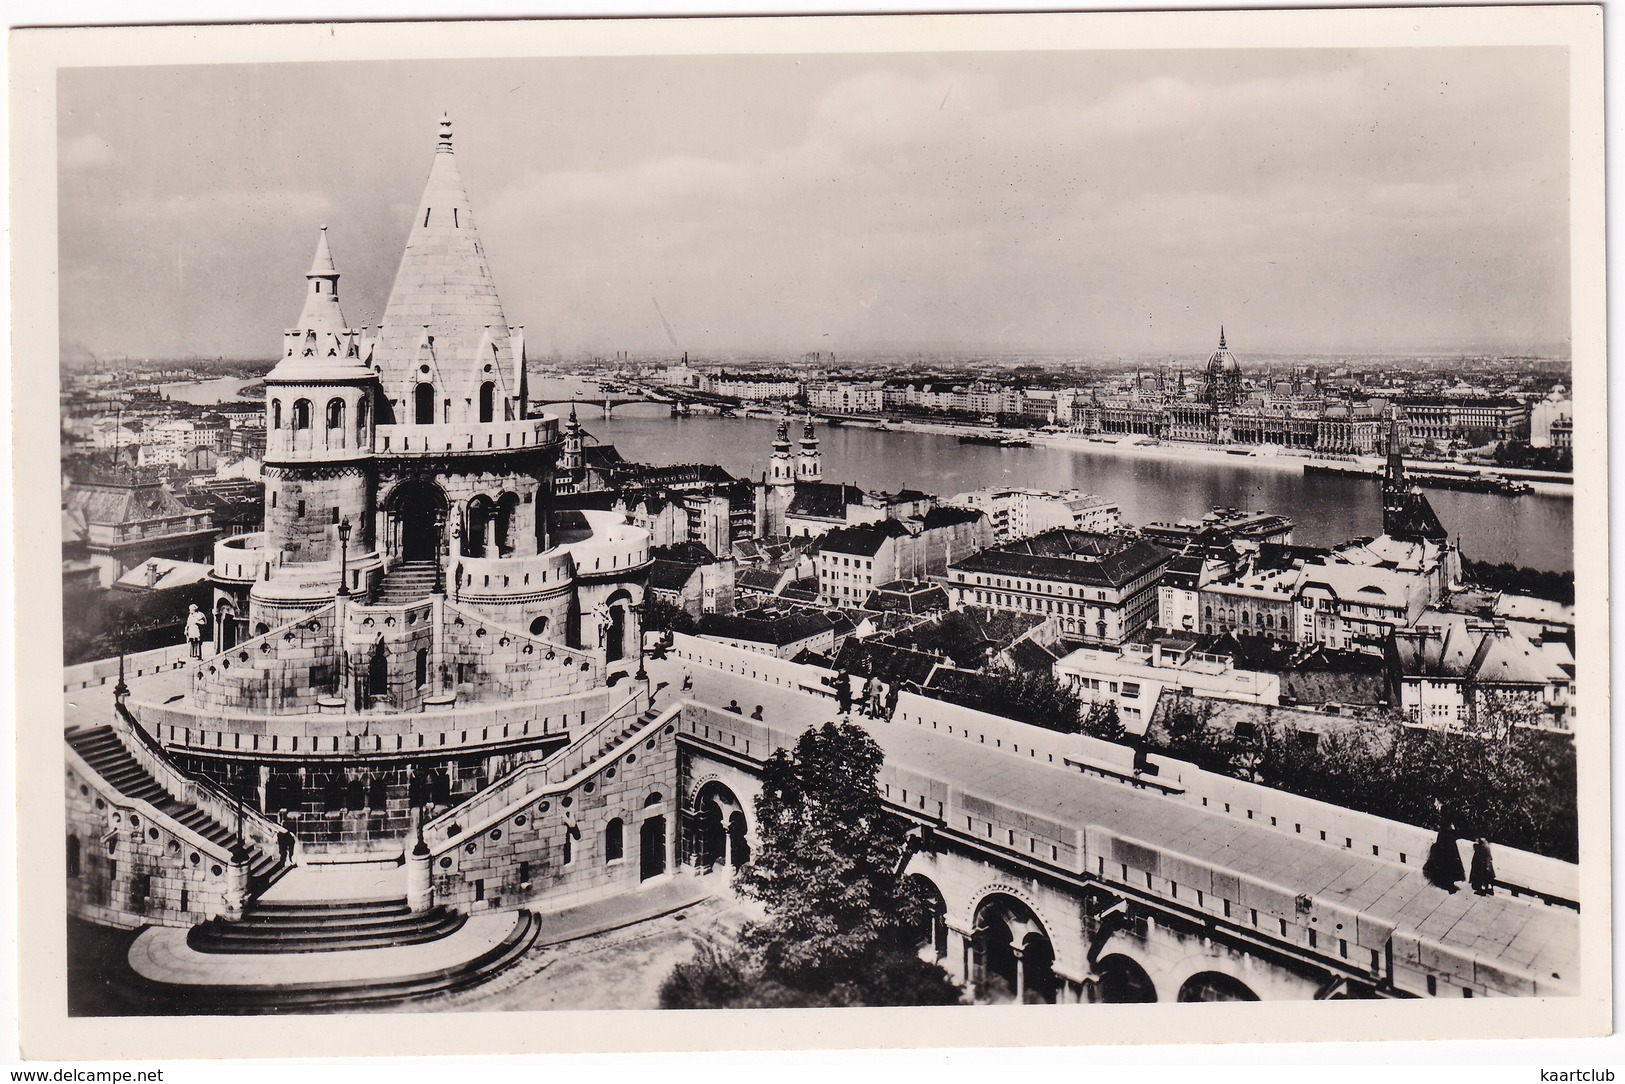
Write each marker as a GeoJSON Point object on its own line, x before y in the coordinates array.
{"type": "Point", "coordinates": [419, 885]}
{"type": "Point", "coordinates": [262, 785]}
{"type": "Point", "coordinates": [237, 882]}
{"type": "Point", "coordinates": [957, 962]}
{"type": "Point", "coordinates": [1021, 975]}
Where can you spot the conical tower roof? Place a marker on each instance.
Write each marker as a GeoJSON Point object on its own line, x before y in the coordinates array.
{"type": "Point", "coordinates": [320, 346]}
{"type": "Point", "coordinates": [444, 312]}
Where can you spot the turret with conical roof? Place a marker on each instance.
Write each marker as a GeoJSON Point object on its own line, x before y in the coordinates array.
{"type": "Point", "coordinates": [445, 352]}
{"type": "Point", "coordinates": [320, 422]}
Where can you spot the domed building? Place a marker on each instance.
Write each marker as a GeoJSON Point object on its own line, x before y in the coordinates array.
{"type": "Point", "coordinates": [1223, 388]}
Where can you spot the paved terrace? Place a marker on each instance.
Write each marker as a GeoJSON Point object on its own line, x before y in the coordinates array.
{"type": "Point", "coordinates": [1498, 933]}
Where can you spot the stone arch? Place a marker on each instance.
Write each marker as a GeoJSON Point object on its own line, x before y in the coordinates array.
{"type": "Point", "coordinates": [488, 394]}
{"type": "Point", "coordinates": [479, 516]}
{"type": "Point", "coordinates": [719, 828]}
{"type": "Point", "coordinates": [618, 627]}
{"type": "Point", "coordinates": [1215, 986]}
{"type": "Point", "coordinates": [416, 511]}
{"type": "Point", "coordinates": [423, 404]}
{"type": "Point", "coordinates": [276, 413]}
{"type": "Point", "coordinates": [335, 413]}
{"type": "Point", "coordinates": [1123, 981]}
{"type": "Point", "coordinates": [1012, 951]}
{"type": "Point", "coordinates": [361, 415]}
{"type": "Point", "coordinates": [927, 923]}
{"type": "Point", "coordinates": [301, 413]}
{"type": "Point", "coordinates": [507, 509]}
{"type": "Point", "coordinates": [614, 840]}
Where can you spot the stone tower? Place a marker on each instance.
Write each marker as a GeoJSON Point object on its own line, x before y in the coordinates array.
{"type": "Point", "coordinates": [320, 403]}
{"type": "Point", "coordinates": [572, 462]}
{"type": "Point", "coordinates": [810, 467]}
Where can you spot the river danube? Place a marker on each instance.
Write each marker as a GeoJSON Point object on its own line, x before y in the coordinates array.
{"type": "Point", "coordinates": [1532, 530]}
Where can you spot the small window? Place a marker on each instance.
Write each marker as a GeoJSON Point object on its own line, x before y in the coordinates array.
{"type": "Point", "coordinates": [301, 414]}
{"type": "Point", "coordinates": [614, 843]}
{"type": "Point", "coordinates": [335, 414]}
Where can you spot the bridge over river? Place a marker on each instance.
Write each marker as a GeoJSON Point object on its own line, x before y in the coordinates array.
{"type": "Point", "coordinates": [1061, 874]}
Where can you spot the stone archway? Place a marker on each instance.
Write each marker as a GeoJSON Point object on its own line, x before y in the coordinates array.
{"type": "Point", "coordinates": [927, 926]}
{"type": "Point", "coordinates": [1124, 982]}
{"type": "Point", "coordinates": [618, 627]}
{"type": "Point", "coordinates": [1215, 986]}
{"type": "Point", "coordinates": [652, 856]}
{"type": "Point", "coordinates": [718, 829]}
{"type": "Point", "coordinates": [417, 520]}
{"type": "Point", "coordinates": [1013, 959]}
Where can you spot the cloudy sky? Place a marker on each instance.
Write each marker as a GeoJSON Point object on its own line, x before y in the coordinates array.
{"type": "Point", "coordinates": [1088, 203]}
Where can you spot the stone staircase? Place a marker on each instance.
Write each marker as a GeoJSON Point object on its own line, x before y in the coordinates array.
{"type": "Point", "coordinates": [408, 581]}
{"type": "Point", "coordinates": [323, 926]}
{"type": "Point", "coordinates": [104, 753]}
{"type": "Point", "coordinates": [261, 986]}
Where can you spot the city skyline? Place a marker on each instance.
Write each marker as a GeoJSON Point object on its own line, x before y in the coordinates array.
{"type": "Point", "coordinates": [1274, 192]}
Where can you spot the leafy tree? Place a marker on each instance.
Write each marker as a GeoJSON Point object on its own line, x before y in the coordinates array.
{"type": "Point", "coordinates": [661, 616]}
{"type": "Point", "coordinates": [1027, 696]}
{"type": "Point", "coordinates": [826, 872]}
{"type": "Point", "coordinates": [1101, 721]}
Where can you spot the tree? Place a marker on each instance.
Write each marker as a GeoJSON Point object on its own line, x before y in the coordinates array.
{"type": "Point", "coordinates": [1101, 721]}
{"type": "Point", "coordinates": [826, 871]}
{"type": "Point", "coordinates": [661, 616]}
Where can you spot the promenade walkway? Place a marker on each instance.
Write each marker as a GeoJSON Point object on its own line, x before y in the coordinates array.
{"type": "Point", "coordinates": [1520, 933]}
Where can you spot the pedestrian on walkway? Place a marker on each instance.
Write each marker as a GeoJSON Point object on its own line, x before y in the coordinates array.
{"type": "Point", "coordinates": [688, 680]}
{"type": "Point", "coordinates": [194, 631]}
{"type": "Point", "coordinates": [1483, 872]}
{"type": "Point", "coordinates": [1443, 867]}
{"type": "Point", "coordinates": [733, 706]}
{"type": "Point", "coordinates": [843, 692]}
{"type": "Point", "coordinates": [757, 714]}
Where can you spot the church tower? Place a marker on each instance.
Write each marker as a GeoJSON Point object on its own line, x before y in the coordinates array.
{"type": "Point", "coordinates": [572, 462]}
{"type": "Point", "coordinates": [320, 421]}
{"type": "Point", "coordinates": [810, 467]}
{"type": "Point", "coordinates": [1406, 514]}
{"type": "Point", "coordinates": [1223, 377]}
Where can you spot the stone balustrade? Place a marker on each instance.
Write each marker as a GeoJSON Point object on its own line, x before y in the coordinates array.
{"type": "Point", "coordinates": [466, 437]}
{"type": "Point", "coordinates": [182, 728]}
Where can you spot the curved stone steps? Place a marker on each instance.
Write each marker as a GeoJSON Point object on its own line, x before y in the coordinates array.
{"type": "Point", "coordinates": [251, 936]}
{"type": "Point", "coordinates": [166, 974]}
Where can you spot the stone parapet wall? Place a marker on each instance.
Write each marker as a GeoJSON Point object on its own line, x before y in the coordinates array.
{"type": "Point", "coordinates": [135, 865]}
{"type": "Point", "coordinates": [377, 735]}
{"type": "Point", "coordinates": [285, 670]}
{"type": "Point", "coordinates": [505, 664]}
{"type": "Point", "coordinates": [88, 675]}
{"type": "Point", "coordinates": [554, 849]}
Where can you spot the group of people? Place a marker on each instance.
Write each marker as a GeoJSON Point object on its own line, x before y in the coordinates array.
{"type": "Point", "coordinates": [877, 699]}
{"type": "Point", "coordinates": [1443, 866]}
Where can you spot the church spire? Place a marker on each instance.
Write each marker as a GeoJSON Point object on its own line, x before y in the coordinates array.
{"type": "Point", "coordinates": [444, 146]}
{"type": "Point", "coordinates": [1221, 337]}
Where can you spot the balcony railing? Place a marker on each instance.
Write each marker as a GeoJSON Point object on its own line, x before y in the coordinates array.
{"type": "Point", "coordinates": [466, 437]}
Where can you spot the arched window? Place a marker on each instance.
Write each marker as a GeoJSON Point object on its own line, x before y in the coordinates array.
{"type": "Point", "coordinates": [423, 403]}
{"type": "Point", "coordinates": [488, 392]}
{"type": "Point", "coordinates": [73, 855]}
{"type": "Point", "coordinates": [276, 413]}
{"type": "Point", "coordinates": [301, 414]}
{"type": "Point", "coordinates": [1269, 621]}
{"type": "Point", "coordinates": [335, 414]}
{"type": "Point", "coordinates": [614, 844]}
{"type": "Point", "coordinates": [1207, 612]}
{"type": "Point", "coordinates": [361, 415]}
{"type": "Point", "coordinates": [423, 665]}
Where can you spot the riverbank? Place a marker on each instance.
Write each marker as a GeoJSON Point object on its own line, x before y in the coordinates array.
{"type": "Point", "coordinates": [1280, 460]}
